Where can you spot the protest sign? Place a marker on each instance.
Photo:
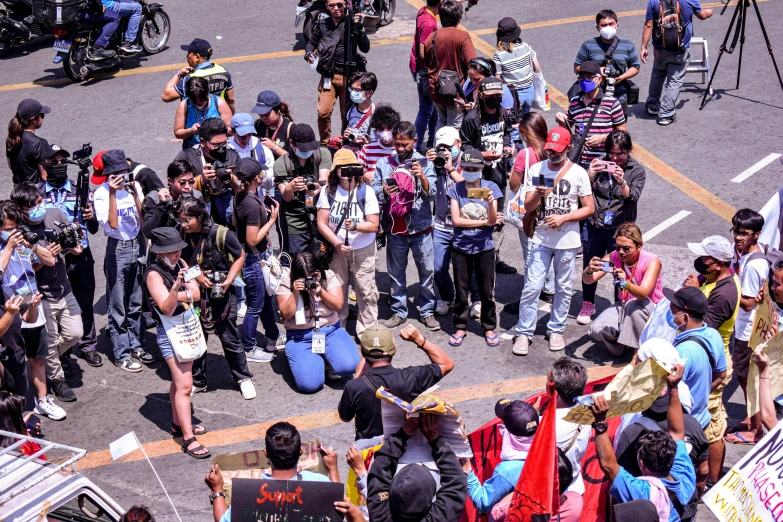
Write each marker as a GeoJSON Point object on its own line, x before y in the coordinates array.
{"type": "Point", "coordinates": [753, 489]}
{"type": "Point", "coordinates": [765, 318]}
{"type": "Point", "coordinates": [253, 464]}
{"type": "Point", "coordinates": [367, 447]}
{"type": "Point", "coordinates": [657, 327]}
{"type": "Point", "coordinates": [633, 390]}
{"type": "Point", "coordinates": [290, 500]}
{"type": "Point", "coordinates": [774, 350]}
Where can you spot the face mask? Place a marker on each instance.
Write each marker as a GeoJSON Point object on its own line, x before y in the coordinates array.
{"type": "Point", "coordinates": [670, 319]}
{"type": "Point", "coordinates": [454, 152]}
{"type": "Point", "coordinates": [57, 175]}
{"type": "Point", "coordinates": [165, 261]}
{"type": "Point", "coordinates": [700, 266]}
{"type": "Point", "coordinates": [303, 155]}
{"type": "Point", "coordinates": [357, 96]}
{"type": "Point", "coordinates": [385, 137]}
{"type": "Point", "coordinates": [405, 155]}
{"type": "Point", "coordinates": [471, 176]}
{"type": "Point", "coordinates": [492, 103]}
{"type": "Point", "coordinates": [219, 153]}
{"type": "Point", "coordinates": [36, 214]}
{"type": "Point", "coordinates": [587, 85]}
{"type": "Point", "coordinates": [608, 32]}
{"type": "Point", "coordinates": [5, 235]}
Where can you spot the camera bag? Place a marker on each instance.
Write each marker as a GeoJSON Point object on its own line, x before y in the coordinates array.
{"type": "Point", "coordinates": [447, 80]}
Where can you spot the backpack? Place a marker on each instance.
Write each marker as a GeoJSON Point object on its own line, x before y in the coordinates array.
{"type": "Point", "coordinates": [670, 25]}
{"type": "Point", "coordinates": [401, 202]}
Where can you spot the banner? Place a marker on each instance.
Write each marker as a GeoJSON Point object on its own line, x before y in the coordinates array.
{"type": "Point", "coordinates": [290, 500]}
{"type": "Point", "coordinates": [765, 318]}
{"type": "Point", "coordinates": [774, 350]}
{"type": "Point", "coordinates": [753, 489]}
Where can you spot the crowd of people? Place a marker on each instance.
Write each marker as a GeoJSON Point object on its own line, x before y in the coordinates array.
{"type": "Point", "coordinates": [198, 247]}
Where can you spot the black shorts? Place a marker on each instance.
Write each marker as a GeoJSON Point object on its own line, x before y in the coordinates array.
{"type": "Point", "coordinates": [35, 344]}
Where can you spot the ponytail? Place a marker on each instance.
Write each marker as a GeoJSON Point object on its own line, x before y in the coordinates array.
{"type": "Point", "coordinates": [285, 110]}
{"type": "Point", "coordinates": [15, 129]}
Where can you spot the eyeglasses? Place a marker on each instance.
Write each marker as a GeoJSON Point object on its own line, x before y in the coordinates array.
{"type": "Point", "coordinates": [620, 248]}
{"type": "Point", "coordinates": [737, 233]}
{"type": "Point", "coordinates": [183, 221]}
{"type": "Point", "coordinates": [335, 6]}
{"type": "Point", "coordinates": [216, 145]}
{"type": "Point", "coordinates": [186, 183]}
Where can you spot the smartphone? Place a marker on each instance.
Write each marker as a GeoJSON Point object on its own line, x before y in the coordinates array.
{"type": "Point", "coordinates": [609, 166]}
{"type": "Point", "coordinates": [479, 193]}
{"type": "Point", "coordinates": [84, 152]}
{"type": "Point", "coordinates": [269, 202]}
{"type": "Point", "coordinates": [608, 266]}
{"type": "Point", "coordinates": [192, 273]}
{"type": "Point", "coordinates": [459, 102]}
{"type": "Point", "coordinates": [391, 182]}
{"type": "Point", "coordinates": [31, 426]}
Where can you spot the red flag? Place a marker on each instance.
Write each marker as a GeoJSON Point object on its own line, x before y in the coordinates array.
{"type": "Point", "coordinates": [537, 495]}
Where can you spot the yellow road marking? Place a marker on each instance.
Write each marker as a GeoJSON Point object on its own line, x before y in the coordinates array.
{"type": "Point", "coordinates": [324, 419]}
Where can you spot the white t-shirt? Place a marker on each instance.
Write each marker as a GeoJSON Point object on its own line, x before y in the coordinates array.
{"type": "Point", "coordinates": [268, 185]}
{"type": "Point", "coordinates": [752, 276]}
{"type": "Point", "coordinates": [357, 240]}
{"type": "Point", "coordinates": [564, 199]}
{"type": "Point", "coordinates": [565, 432]}
{"type": "Point", "coordinates": [128, 219]}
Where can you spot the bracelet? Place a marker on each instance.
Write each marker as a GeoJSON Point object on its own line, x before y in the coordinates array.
{"type": "Point", "coordinates": [767, 378]}
{"type": "Point", "coordinates": [214, 496]}
{"type": "Point", "coordinates": [420, 346]}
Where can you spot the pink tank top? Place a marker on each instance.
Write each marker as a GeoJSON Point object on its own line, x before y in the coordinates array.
{"type": "Point", "coordinates": [636, 275]}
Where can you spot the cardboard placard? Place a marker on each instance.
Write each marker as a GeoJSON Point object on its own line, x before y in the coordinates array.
{"type": "Point", "coordinates": [774, 350]}
{"type": "Point", "coordinates": [765, 317]}
{"type": "Point", "coordinates": [257, 500]}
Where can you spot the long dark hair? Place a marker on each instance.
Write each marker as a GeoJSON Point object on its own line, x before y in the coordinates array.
{"type": "Point", "coordinates": [193, 207]}
{"type": "Point", "coordinates": [532, 127]}
{"type": "Point", "coordinates": [303, 264]}
{"type": "Point", "coordinates": [11, 408]}
{"type": "Point", "coordinates": [16, 127]}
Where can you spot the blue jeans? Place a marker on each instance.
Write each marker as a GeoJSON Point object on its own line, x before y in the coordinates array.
{"type": "Point", "coordinates": [308, 367]}
{"type": "Point", "coordinates": [397, 262]}
{"type": "Point", "coordinates": [108, 19]}
{"type": "Point", "coordinates": [541, 258]}
{"type": "Point", "coordinates": [133, 10]}
{"type": "Point", "coordinates": [441, 242]}
{"type": "Point", "coordinates": [549, 283]}
{"type": "Point", "coordinates": [426, 118]}
{"type": "Point", "coordinates": [258, 302]}
{"type": "Point", "coordinates": [123, 296]}
{"type": "Point", "coordinates": [525, 97]}
{"type": "Point", "coordinates": [596, 242]}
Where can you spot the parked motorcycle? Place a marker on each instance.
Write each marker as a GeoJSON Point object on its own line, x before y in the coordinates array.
{"type": "Point", "coordinates": [17, 25]}
{"type": "Point", "coordinates": [74, 39]}
{"type": "Point", "coordinates": [316, 9]}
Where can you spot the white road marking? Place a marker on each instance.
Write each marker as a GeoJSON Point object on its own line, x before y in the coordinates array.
{"type": "Point", "coordinates": [757, 167]}
{"type": "Point", "coordinates": [654, 231]}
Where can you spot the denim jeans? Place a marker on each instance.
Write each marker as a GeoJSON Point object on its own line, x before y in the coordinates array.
{"type": "Point", "coordinates": [258, 302]}
{"type": "Point", "coordinates": [666, 80]}
{"type": "Point", "coordinates": [542, 257]}
{"type": "Point", "coordinates": [123, 296]}
{"type": "Point", "coordinates": [549, 283]}
{"type": "Point", "coordinates": [397, 248]}
{"type": "Point", "coordinates": [109, 20]}
{"type": "Point", "coordinates": [308, 367]}
{"type": "Point", "coordinates": [426, 118]}
{"type": "Point", "coordinates": [441, 243]}
{"type": "Point", "coordinates": [596, 242]}
{"type": "Point", "coordinates": [525, 97]}
{"type": "Point", "coordinates": [132, 10]}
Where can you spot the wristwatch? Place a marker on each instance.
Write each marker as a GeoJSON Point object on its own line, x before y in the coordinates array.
{"type": "Point", "coordinates": [600, 427]}
{"type": "Point", "coordinates": [216, 495]}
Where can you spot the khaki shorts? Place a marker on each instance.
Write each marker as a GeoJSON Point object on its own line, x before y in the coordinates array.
{"type": "Point", "coordinates": [717, 426]}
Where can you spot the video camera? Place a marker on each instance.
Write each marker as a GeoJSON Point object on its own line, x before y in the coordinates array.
{"type": "Point", "coordinates": [67, 236]}
{"type": "Point", "coordinates": [408, 164]}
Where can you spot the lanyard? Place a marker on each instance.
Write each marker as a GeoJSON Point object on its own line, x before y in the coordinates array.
{"type": "Point", "coordinates": [625, 293]}
{"type": "Point", "coordinates": [279, 125]}
{"type": "Point", "coordinates": [196, 110]}
{"type": "Point", "coordinates": [315, 312]}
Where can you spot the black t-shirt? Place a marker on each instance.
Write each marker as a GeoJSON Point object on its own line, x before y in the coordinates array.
{"type": "Point", "coordinates": [490, 132]}
{"type": "Point", "coordinates": [25, 160]}
{"type": "Point", "coordinates": [359, 399]}
{"type": "Point", "coordinates": [202, 249]}
{"type": "Point", "coordinates": [249, 210]}
{"type": "Point", "coordinates": [146, 177]}
{"type": "Point", "coordinates": [278, 136]}
{"type": "Point", "coordinates": [52, 281]}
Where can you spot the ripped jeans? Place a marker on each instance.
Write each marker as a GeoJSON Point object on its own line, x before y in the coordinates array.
{"type": "Point", "coordinates": [541, 258]}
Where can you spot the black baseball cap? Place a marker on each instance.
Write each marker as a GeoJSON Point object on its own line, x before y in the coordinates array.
{"type": "Point", "coordinates": [471, 157]}
{"type": "Point", "coordinates": [303, 137]}
{"type": "Point", "coordinates": [248, 168]}
{"type": "Point", "coordinates": [688, 298]}
{"type": "Point", "coordinates": [29, 108]}
{"type": "Point", "coordinates": [51, 150]}
{"type": "Point", "coordinates": [589, 67]}
{"type": "Point", "coordinates": [491, 86]}
{"type": "Point", "coordinates": [198, 46]}
{"type": "Point", "coordinates": [508, 30]}
{"type": "Point", "coordinates": [266, 101]}
{"type": "Point", "coordinates": [519, 417]}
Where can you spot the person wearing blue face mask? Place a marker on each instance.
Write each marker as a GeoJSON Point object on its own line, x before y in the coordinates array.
{"type": "Point", "coordinates": [362, 87]}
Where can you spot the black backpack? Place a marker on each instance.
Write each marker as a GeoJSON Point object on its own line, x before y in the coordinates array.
{"type": "Point", "coordinates": [670, 26]}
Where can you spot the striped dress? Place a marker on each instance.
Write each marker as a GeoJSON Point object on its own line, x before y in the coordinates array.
{"type": "Point", "coordinates": [515, 68]}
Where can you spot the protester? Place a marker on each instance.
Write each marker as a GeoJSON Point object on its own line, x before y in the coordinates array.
{"type": "Point", "coordinates": [348, 218]}
{"type": "Point", "coordinates": [199, 66]}
{"type": "Point", "coordinates": [13, 420]}
{"type": "Point", "coordinates": [555, 239]}
{"type": "Point", "coordinates": [515, 62]}
{"type": "Point", "coordinates": [158, 203]}
{"type": "Point", "coordinates": [168, 292]}
{"type": "Point", "coordinates": [410, 494]}
{"type": "Point", "coordinates": [197, 106]}
{"type": "Point", "coordinates": [669, 63]}
{"type": "Point", "coordinates": [24, 149]}
{"type": "Point", "coordinates": [411, 223]}
{"type": "Point", "coordinates": [358, 401]}
{"type": "Point", "coordinates": [616, 191]}
{"type": "Point", "coordinates": [636, 275]}
{"type": "Point", "coordinates": [383, 120]}
{"type": "Point", "coordinates": [766, 403]}
{"type": "Point", "coordinates": [273, 123]}
{"type": "Point", "coordinates": [426, 118]}
{"type": "Point", "coordinates": [361, 87]}
{"type": "Point", "coordinates": [309, 298]}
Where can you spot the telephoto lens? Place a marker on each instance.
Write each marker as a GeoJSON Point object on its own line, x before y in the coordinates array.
{"type": "Point", "coordinates": [440, 160]}
{"type": "Point", "coordinates": [311, 284]}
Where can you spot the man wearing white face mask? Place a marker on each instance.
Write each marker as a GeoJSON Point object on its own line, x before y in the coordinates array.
{"type": "Point", "coordinates": [623, 59]}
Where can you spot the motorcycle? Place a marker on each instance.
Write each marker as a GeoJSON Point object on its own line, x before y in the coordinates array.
{"type": "Point", "coordinates": [314, 10]}
{"type": "Point", "coordinates": [17, 25]}
{"type": "Point", "coordinates": [74, 38]}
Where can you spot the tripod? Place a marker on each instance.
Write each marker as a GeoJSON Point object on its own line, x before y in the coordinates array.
{"type": "Point", "coordinates": [740, 17]}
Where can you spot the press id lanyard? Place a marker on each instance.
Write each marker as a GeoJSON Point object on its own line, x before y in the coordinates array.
{"type": "Point", "coordinates": [319, 339]}
{"type": "Point", "coordinates": [608, 214]}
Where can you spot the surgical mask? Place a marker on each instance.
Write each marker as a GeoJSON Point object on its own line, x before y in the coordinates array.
{"type": "Point", "coordinates": [56, 175]}
{"type": "Point", "coordinates": [385, 137]}
{"type": "Point", "coordinates": [700, 266]}
{"type": "Point", "coordinates": [36, 214]}
{"type": "Point", "coordinates": [303, 154]}
{"type": "Point", "coordinates": [670, 319]}
{"type": "Point", "coordinates": [165, 260]}
{"type": "Point", "coordinates": [357, 96]}
{"type": "Point", "coordinates": [587, 85]}
{"type": "Point", "coordinates": [471, 176]}
{"type": "Point", "coordinates": [219, 153]}
{"type": "Point", "coordinates": [454, 152]}
{"type": "Point", "coordinates": [492, 103]}
{"type": "Point", "coordinates": [5, 235]}
{"type": "Point", "coordinates": [608, 32]}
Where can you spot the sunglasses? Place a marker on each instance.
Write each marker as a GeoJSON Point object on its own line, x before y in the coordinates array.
{"type": "Point", "coordinates": [623, 248]}
{"type": "Point", "coordinates": [62, 161]}
{"type": "Point", "coordinates": [335, 6]}
{"type": "Point", "coordinates": [186, 183]}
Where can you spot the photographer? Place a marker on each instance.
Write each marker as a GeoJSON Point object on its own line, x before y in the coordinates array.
{"type": "Point", "coordinates": [254, 221]}
{"type": "Point", "coordinates": [59, 305]}
{"type": "Point", "coordinates": [213, 163]}
{"type": "Point", "coordinates": [197, 106]}
{"type": "Point", "coordinates": [217, 252]}
{"type": "Point", "coordinates": [61, 193]}
{"type": "Point", "coordinates": [348, 217]}
{"type": "Point", "coordinates": [361, 88]}
{"type": "Point", "coordinates": [273, 123]}
{"type": "Point", "coordinates": [297, 177]}
{"type": "Point", "coordinates": [181, 182]}
{"type": "Point", "coordinates": [118, 207]}
{"type": "Point", "coordinates": [309, 298]}
{"type": "Point", "coordinates": [327, 41]}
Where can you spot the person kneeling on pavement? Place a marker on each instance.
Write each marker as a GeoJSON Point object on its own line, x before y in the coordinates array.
{"type": "Point", "coordinates": [310, 297]}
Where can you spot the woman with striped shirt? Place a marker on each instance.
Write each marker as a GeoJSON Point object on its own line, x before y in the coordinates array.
{"type": "Point", "coordinates": [515, 62]}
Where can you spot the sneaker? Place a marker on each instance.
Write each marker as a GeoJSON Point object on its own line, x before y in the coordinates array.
{"type": "Point", "coordinates": [667, 120]}
{"type": "Point", "coordinates": [393, 322]}
{"type": "Point", "coordinates": [142, 356]}
{"type": "Point", "coordinates": [93, 358]}
{"type": "Point", "coordinates": [242, 311]}
{"type": "Point", "coordinates": [556, 342]}
{"type": "Point", "coordinates": [65, 362]}
{"type": "Point", "coordinates": [259, 355]}
{"type": "Point", "coordinates": [431, 324]}
{"type": "Point", "coordinates": [129, 365]}
{"type": "Point", "coordinates": [46, 406]}
{"type": "Point", "coordinates": [521, 345]}
{"type": "Point", "coordinates": [100, 53]}
{"type": "Point", "coordinates": [352, 295]}
{"type": "Point", "coordinates": [579, 252]}
{"type": "Point", "coordinates": [547, 297]}
{"type": "Point", "coordinates": [274, 345]}
{"type": "Point", "coordinates": [198, 388]}
{"type": "Point", "coordinates": [586, 313]}
{"type": "Point", "coordinates": [247, 389]}
{"type": "Point", "coordinates": [129, 47]}
{"type": "Point", "coordinates": [503, 268]}
{"type": "Point", "coordinates": [331, 375]}
{"type": "Point", "coordinates": [62, 391]}
{"type": "Point", "coordinates": [650, 110]}
{"type": "Point", "coordinates": [442, 307]}
{"type": "Point", "coordinates": [475, 310]}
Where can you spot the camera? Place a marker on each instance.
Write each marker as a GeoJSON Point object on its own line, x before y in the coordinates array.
{"type": "Point", "coordinates": [312, 184]}
{"type": "Point", "coordinates": [216, 278]}
{"type": "Point", "coordinates": [82, 156]}
{"type": "Point", "coordinates": [310, 284]}
{"type": "Point", "coordinates": [67, 236]}
{"type": "Point", "coordinates": [409, 163]}
{"type": "Point", "coordinates": [352, 171]}
{"type": "Point", "coordinates": [352, 137]}
{"type": "Point", "coordinates": [222, 171]}
{"type": "Point", "coordinates": [27, 234]}
{"type": "Point", "coordinates": [443, 156]}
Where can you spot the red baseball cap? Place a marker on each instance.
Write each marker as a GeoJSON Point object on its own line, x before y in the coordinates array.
{"type": "Point", "coordinates": [97, 170]}
{"type": "Point", "coordinates": [559, 138]}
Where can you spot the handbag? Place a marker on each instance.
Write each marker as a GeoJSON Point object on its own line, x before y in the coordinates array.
{"type": "Point", "coordinates": [529, 224]}
{"type": "Point", "coordinates": [185, 334]}
{"type": "Point", "coordinates": [515, 209]}
{"type": "Point", "coordinates": [447, 80]}
{"type": "Point", "coordinates": [273, 271]}
{"type": "Point", "coordinates": [540, 93]}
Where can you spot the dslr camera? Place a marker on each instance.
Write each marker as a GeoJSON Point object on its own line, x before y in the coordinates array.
{"type": "Point", "coordinates": [310, 284]}
{"type": "Point", "coordinates": [216, 278]}
{"type": "Point", "coordinates": [67, 236]}
{"type": "Point", "coordinates": [444, 155]}
{"type": "Point", "coordinates": [27, 234]}
{"type": "Point", "coordinates": [312, 183]}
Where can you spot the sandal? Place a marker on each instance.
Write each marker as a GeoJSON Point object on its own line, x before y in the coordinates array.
{"type": "Point", "coordinates": [176, 431]}
{"type": "Point", "coordinates": [456, 340]}
{"type": "Point", "coordinates": [492, 340]}
{"type": "Point", "coordinates": [192, 452]}
{"type": "Point", "coordinates": [737, 438]}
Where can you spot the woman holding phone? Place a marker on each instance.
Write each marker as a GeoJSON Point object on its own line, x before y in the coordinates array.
{"type": "Point", "coordinates": [474, 212]}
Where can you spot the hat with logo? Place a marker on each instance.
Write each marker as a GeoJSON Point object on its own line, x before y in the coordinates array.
{"type": "Point", "coordinates": [558, 139]}
{"type": "Point", "coordinates": [266, 101]}
{"type": "Point", "coordinates": [688, 298]}
{"type": "Point", "coordinates": [303, 137]}
{"type": "Point", "coordinates": [491, 86]}
{"type": "Point", "coordinates": [411, 492]}
{"type": "Point", "coordinates": [98, 178]}
{"type": "Point", "coordinates": [198, 46]}
{"type": "Point", "coordinates": [165, 240]}
{"type": "Point", "coordinates": [344, 158]}
{"type": "Point", "coordinates": [471, 157]}
{"type": "Point", "coordinates": [446, 136]}
{"type": "Point", "coordinates": [590, 67]}
{"type": "Point", "coordinates": [248, 168]}
{"type": "Point", "coordinates": [114, 161]}
{"type": "Point", "coordinates": [242, 123]}
{"type": "Point", "coordinates": [51, 150]}
{"type": "Point", "coordinates": [508, 30]}
{"type": "Point", "coordinates": [519, 417]}
{"type": "Point", "coordinates": [378, 338]}
{"type": "Point", "coordinates": [714, 246]}
{"type": "Point", "coordinates": [29, 108]}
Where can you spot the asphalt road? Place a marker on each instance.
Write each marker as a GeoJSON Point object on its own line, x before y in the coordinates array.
{"type": "Point", "coordinates": [736, 129]}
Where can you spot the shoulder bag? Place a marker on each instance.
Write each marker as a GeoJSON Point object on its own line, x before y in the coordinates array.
{"type": "Point", "coordinates": [575, 153]}
{"type": "Point", "coordinates": [185, 334]}
{"type": "Point", "coordinates": [529, 226]}
{"type": "Point", "coordinates": [447, 79]}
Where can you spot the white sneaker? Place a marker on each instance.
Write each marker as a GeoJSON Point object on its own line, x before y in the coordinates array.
{"type": "Point", "coordinates": [259, 355]}
{"type": "Point", "coordinates": [197, 389]}
{"type": "Point", "coordinates": [274, 345]}
{"type": "Point", "coordinates": [521, 345]}
{"type": "Point", "coordinates": [442, 307]}
{"type": "Point", "coordinates": [247, 389]}
{"type": "Point", "coordinates": [475, 310]}
{"type": "Point", "coordinates": [46, 406]}
{"type": "Point", "coordinates": [242, 311]}
{"type": "Point", "coordinates": [556, 342]}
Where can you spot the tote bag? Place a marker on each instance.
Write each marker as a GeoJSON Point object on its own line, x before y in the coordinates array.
{"type": "Point", "coordinates": [540, 92]}
{"type": "Point", "coordinates": [515, 210]}
{"type": "Point", "coordinates": [185, 334]}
